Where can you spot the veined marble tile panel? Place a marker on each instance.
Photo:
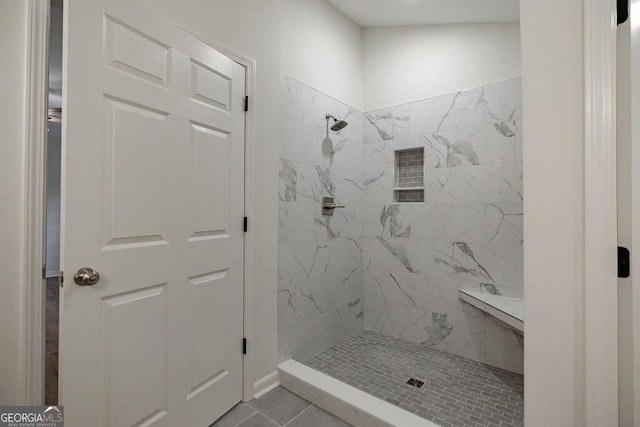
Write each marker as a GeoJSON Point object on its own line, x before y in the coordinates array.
{"type": "Point", "coordinates": [433, 292]}
{"type": "Point", "coordinates": [386, 124]}
{"type": "Point", "coordinates": [488, 223]}
{"type": "Point", "coordinates": [300, 182]}
{"type": "Point", "coordinates": [505, 346]}
{"type": "Point", "coordinates": [497, 183]}
{"type": "Point", "coordinates": [346, 222]}
{"type": "Point", "coordinates": [297, 341]}
{"type": "Point", "coordinates": [342, 154]}
{"type": "Point", "coordinates": [303, 300]}
{"type": "Point", "coordinates": [378, 187]}
{"type": "Point", "coordinates": [379, 156]}
{"type": "Point", "coordinates": [297, 101]}
{"type": "Point", "coordinates": [300, 302]}
{"type": "Point", "coordinates": [308, 105]}
{"type": "Point", "coordinates": [503, 102]}
{"type": "Point", "coordinates": [302, 222]}
{"type": "Point", "coordinates": [497, 104]}
{"type": "Point", "coordinates": [299, 141]}
{"type": "Point", "coordinates": [299, 222]}
{"type": "Point", "coordinates": [442, 186]}
{"type": "Point", "coordinates": [415, 324]}
{"type": "Point", "coordinates": [470, 146]}
{"type": "Point", "coordinates": [308, 144]}
{"type": "Point", "coordinates": [348, 187]}
{"type": "Point", "coordinates": [477, 262]}
{"type": "Point", "coordinates": [427, 115]}
{"type": "Point", "coordinates": [468, 337]}
{"type": "Point", "coordinates": [387, 220]}
{"type": "Point", "coordinates": [303, 182]}
{"type": "Point", "coordinates": [466, 109]}
{"type": "Point", "coordinates": [311, 336]}
{"type": "Point", "coordinates": [302, 261]}
{"type": "Point", "coordinates": [398, 254]}
{"type": "Point", "coordinates": [345, 254]}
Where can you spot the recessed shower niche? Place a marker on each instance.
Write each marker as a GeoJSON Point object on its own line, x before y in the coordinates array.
{"type": "Point", "coordinates": [409, 176]}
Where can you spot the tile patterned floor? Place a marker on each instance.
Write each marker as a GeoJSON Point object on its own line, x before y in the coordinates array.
{"type": "Point", "coordinates": [278, 408]}
{"type": "Point", "coordinates": [456, 391]}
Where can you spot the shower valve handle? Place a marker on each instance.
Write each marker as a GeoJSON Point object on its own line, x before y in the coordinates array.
{"type": "Point", "coordinates": [328, 206]}
{"type": "Point", "coordinates": [332, 206]}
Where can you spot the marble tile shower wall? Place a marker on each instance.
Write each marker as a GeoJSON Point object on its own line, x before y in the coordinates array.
{"type": "Point", "coordinates": [320, 279]}
{"type": "Point", "coordinates": [467, 234]}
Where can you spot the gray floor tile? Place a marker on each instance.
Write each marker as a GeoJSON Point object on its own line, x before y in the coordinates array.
{"type": "Point", "coordinates": [280, 405]}
{"type": "Point", "coordinates": [316, 417]}
{"type": "Point", "coordinates": [454, 390]}
{"type": "Point", "coordinates": [258, 420]}
{"type": "Point", "coordinates": [235, 416]}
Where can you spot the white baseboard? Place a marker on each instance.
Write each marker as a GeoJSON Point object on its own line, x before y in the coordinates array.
{"type": "Point", "coordinates": [266, 384]}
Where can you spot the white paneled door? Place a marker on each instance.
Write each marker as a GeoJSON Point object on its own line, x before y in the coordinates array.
{"type": "Point", "coordinates": [153, 171]}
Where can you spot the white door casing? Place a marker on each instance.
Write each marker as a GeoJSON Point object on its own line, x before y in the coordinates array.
{"type": "Point", "coordinates": [634, 191]}
{"type": "Point", "coordinates": [153, 199]}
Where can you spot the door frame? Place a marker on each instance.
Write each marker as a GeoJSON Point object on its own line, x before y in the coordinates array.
{"type": "Point", "coordinates": [35, 185]}
{"type": "Point", "coordinates": [250, 210]}
{"type": "Point", "coordinates": [634, 63]}
{"type": "Point", "coordinates": [600, 215]}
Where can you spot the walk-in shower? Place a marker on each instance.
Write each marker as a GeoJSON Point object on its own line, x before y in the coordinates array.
{"type": "Point", "coordinates": [413, 291]}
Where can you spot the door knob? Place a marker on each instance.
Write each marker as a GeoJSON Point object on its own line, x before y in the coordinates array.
{"type": "Point", "coordinates": [86, 277]}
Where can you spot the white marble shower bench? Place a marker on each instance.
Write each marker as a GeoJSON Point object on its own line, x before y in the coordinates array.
{"type": "Point", "coordinates": [508, 309]}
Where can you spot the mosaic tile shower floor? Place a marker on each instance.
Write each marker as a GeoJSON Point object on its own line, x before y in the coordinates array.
{"type": "Point", "coordinates": [456, 391]}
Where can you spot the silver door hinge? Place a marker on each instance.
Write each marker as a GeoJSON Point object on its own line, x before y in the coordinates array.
{"type": "Point", "coordinates": [61, 279]}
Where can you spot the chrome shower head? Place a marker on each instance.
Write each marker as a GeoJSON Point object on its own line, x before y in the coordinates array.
{"type": "Point", "coordinates": [337, 124]}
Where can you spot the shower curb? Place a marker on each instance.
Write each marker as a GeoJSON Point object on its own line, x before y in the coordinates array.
{"type": "Point", "coordinates": [354, 406]}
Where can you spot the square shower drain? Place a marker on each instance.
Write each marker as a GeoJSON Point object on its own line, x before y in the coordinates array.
{"type": "Point", "coordinates": [416, 383]}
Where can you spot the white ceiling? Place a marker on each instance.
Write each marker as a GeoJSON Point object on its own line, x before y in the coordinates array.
{"type": "Point", "coordinates": [381, 13]}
